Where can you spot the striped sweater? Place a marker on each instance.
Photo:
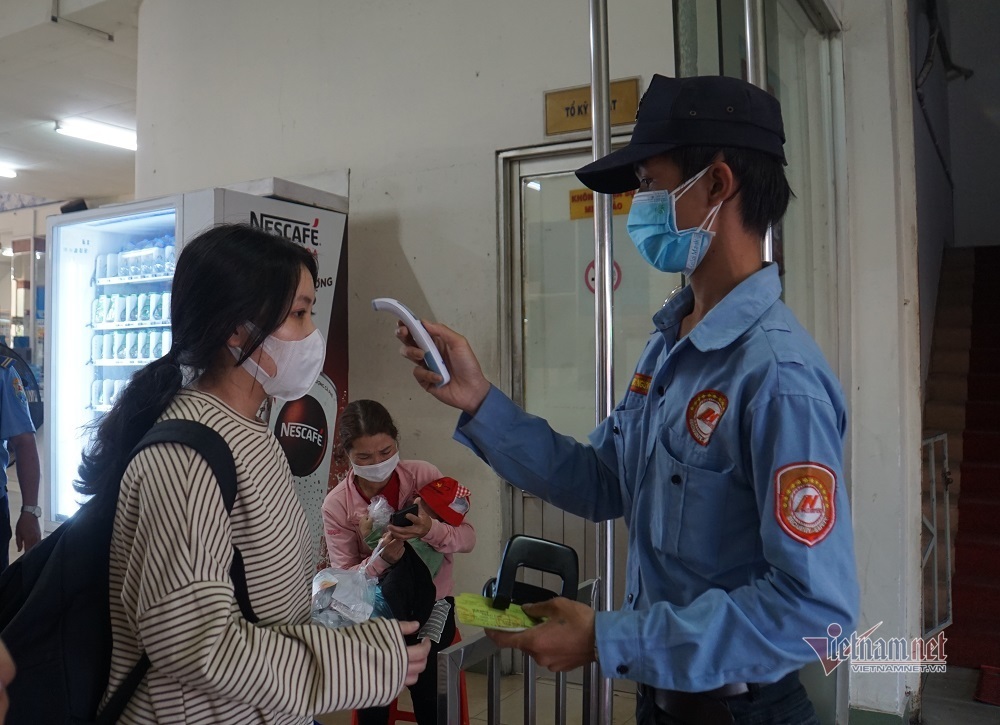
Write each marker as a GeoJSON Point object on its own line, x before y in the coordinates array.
{"type": "Point", "coordinates": [171, 594]}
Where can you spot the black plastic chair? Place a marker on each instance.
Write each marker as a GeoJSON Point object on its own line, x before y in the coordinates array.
{"type": "Point", "coordinates": [538, 554]}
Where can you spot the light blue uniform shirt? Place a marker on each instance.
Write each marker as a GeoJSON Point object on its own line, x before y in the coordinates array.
{"type": "Point", "coordinates": [14, 416]}
{"type": "Point", "coordinates": [725, 458]}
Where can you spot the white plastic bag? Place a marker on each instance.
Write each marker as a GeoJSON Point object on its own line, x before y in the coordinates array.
{"type": "Point", "coordinates": [342, 598]}
{"type": "Point", "coordinates": [379, 511]}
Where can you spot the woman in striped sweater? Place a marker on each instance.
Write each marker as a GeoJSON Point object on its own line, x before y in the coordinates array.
{"type": "Point", "coordinates": [242, 330]}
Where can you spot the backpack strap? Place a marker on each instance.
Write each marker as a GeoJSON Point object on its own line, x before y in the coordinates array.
{"type": "Point", "coordinates": [213, 448]}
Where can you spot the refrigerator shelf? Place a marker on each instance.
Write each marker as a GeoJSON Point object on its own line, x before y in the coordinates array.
{"type": "Point", "coordinates": [130, 325]}
{"type": "Point", "coordinates": [135, 363]}
{"type": "Point", "coordinates": [134, 279]}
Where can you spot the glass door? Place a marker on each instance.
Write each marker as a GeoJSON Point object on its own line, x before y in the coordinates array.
{"type": "Point", "coordinates": [550, 339]}
{"type": "Point", "coordinates": [799, 75]}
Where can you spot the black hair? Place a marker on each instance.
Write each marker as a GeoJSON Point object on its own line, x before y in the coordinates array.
{"type": "Point", "coordinates": [764, 190]}
{"type": "Point", "coordinates": [363, 418]}
{"type": "Point", "coordinates": [226, 276]}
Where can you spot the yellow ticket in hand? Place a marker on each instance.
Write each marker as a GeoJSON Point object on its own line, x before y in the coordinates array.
{"type": "Point", "coordinates": [477, 610]}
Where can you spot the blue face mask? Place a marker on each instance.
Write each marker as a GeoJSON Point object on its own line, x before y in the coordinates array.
{"type": "Point", "coordinates": [652, 224]}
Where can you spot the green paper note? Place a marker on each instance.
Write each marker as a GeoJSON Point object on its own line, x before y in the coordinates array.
{"type": "Point", "coordinates": [477, 610]}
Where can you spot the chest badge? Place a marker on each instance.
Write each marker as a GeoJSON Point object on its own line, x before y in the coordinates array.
{"type": "Point", "coordinates": [803, 501]}
{"type": "Point", "coordinates": [640, 384]}
{"type": "Point", "coordinates": [704, 413]}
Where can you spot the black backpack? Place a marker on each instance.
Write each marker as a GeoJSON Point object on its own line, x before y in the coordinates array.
{"type": "Point", "coordinates": [54, 610]}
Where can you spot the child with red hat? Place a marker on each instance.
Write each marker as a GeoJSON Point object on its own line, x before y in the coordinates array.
{"type": "Point", "coordinates": [447, 498]}
{"type": "Point", "coordinates": [443, 498]}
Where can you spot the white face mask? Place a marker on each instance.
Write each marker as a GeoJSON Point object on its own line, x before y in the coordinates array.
{"type": "Point", "coordinates": [298, 363]}
{"type": "Point", "coordinates": [377, 472]}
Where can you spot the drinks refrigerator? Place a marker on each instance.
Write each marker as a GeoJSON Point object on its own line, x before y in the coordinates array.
{"type": "Point", "coordinates": [109, 297]}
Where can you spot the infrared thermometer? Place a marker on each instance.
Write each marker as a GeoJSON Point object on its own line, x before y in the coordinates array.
{"type": "Point", "coordinates": [432, 356]}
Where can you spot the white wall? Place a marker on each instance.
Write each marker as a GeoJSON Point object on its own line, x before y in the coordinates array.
{"type": "Point", "coordinates": [415, 98]}
{"type": "Point", "coordinates": [18, 15]}
{"type": "Point", "coordinates": [935, 210]}
{"type": "Point", "coordinates": [975, 120]}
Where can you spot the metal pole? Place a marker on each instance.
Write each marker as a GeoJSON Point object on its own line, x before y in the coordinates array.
{"type": "Point", "coordinates": [756, 51]}
{"type": "Point", "coordinates": [603, 268]}
{"type": "Point", "coordinates": [530, 689]}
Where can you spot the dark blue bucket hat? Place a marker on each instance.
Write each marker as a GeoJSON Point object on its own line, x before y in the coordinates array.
{"type": "Point", "coordinates": [695, 111]}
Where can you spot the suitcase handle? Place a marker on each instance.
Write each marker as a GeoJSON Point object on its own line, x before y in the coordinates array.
{"type": "Point", "coordinates": [533, 553]}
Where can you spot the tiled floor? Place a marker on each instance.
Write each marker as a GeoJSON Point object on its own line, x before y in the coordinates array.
{"type": "Point", "coordinates": [512, 703]}
{"type": "Point", "coordinates": [948, 700]}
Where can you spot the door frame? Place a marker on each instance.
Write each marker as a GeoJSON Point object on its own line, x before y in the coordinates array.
{"type": "Point", "coordinates": [509, 239]}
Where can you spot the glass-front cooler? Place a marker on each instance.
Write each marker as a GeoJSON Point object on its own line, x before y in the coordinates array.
{"type": "Point", "coordinates": [110, 315]}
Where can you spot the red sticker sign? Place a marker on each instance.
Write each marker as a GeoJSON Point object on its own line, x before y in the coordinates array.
{"type": "Point", "coordinates": [590, 276]}
{"type": "Point", "coordinates": [803, 501]}
{"type": "Point", "coordinates": [704, 413]}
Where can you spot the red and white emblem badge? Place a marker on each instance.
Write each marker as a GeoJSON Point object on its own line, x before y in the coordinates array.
{"type": "Point", "coordinates": [704, 413]}
{"type": "Point", "coordinates": [803, 501]}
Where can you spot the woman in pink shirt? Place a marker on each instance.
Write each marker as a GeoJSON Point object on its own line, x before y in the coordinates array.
{"type": "Point", "coordinates": [370, 440]}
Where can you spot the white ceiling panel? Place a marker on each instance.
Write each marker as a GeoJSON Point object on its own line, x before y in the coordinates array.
{"type": "Point", "coordinates": [53, 71]}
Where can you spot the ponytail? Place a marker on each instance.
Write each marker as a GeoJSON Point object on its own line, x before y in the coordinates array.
{"type": "Point", "coordinates": [139, 405]}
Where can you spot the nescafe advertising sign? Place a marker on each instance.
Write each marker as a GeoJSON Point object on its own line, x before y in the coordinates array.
{"type": "Point", "coordinates": [303, 432]}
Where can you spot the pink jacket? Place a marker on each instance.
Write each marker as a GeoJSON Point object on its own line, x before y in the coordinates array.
{"type": "Point", "coordinates": [344, 506]}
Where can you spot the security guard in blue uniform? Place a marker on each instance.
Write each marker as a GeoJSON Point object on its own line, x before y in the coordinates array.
{"type": "Point", "coordinates": [725, 455]}
{"type": "Point", "coordinates": [17, 435]}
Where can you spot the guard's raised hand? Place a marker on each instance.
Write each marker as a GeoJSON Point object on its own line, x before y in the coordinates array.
{"type": "Point", "coordinates": [468, 386]}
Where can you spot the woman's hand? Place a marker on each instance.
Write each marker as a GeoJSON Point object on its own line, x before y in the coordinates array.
{"type": "Point", "coordinates": [416, 654]}
{"type": "Point", "coordinates": [392, 551]}
{"type": "Point", "coordinates": [365, 525]}
{"type": "Point", "coordinates": [418, 529]}
{"type": "Point", "coordinates": [468, 386]}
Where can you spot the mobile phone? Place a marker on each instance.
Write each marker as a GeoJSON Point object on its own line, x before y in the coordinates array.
{"type": "Point", "coordinates": [399, 518]}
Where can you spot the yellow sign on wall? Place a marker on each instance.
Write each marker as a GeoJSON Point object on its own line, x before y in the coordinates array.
{"type": "Point", "coordinates": [569, 109]}
{"type": "Point", "coordinates": [581, 203]}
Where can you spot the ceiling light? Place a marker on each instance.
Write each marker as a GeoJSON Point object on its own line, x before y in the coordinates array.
{"type": "Point", "coordinates": [97, 132]}
{"type": "Point", "coordinates": [534, 185]}
{"type": "Point", "coordinates": [7, 252]}
{"type": "Point", "coordinates": [7, 173]}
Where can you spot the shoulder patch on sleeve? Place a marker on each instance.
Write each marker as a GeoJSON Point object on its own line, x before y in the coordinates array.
{"type": "Point", "coordinates": [15, 383]}
{"type": "Point", "coordinates": [804, 501]}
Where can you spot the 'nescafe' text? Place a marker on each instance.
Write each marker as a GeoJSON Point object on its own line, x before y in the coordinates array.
{"type": "Point", "coordinates": [292, 229]}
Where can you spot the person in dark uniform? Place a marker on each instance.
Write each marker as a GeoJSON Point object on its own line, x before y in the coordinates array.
{"type": "Point", "coordinates": [725, 454]}
{"type": "Point", "coordinates": [17, 436]}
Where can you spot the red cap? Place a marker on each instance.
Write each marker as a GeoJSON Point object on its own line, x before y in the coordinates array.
{"type": "Point", "coordinates": [447, 498]}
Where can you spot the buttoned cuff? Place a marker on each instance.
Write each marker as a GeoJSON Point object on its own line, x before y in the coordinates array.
{"type": "Point", "coordinates": [619, 646]}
